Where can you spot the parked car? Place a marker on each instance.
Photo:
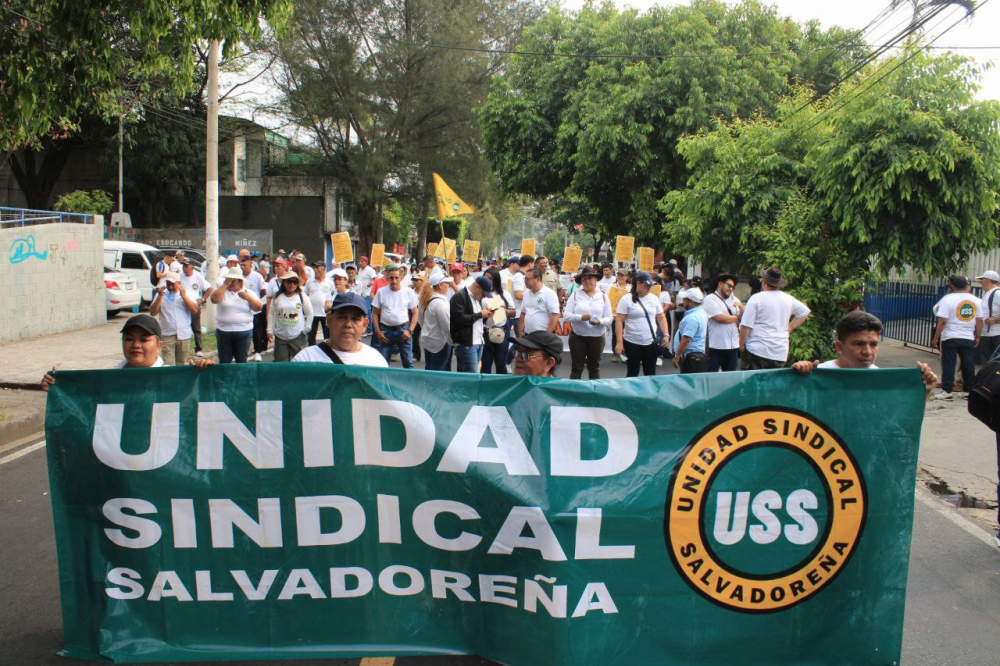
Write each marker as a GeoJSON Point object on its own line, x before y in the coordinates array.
{"type": "Point", "coordinates": [120, 292]}
{"type": "Point", "coordinates": [197, 257]}
{"type": "Point", "coordinates": [135, 260]}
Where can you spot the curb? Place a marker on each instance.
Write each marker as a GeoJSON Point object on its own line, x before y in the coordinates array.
{"type": "Point", "coordinates": [21, 427]}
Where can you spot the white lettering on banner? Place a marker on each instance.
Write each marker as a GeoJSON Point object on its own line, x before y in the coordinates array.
{"type": "Point", "coordinates": [224, 514]}
{"type": "Point", "coordinates": [588, 539]}
{"type": "Point", "coordinates": [164, 437]}
{"type": "Point", "coordinates": [317, 433]}
{"type": "Point", "coordinates": [423, 524]}
{"type": "Point", "coordinates": [509, 451]}
{"type": "Point", "coordinates": [307, 520]}
{"type": "Point", "coordinates": [542, 538]}
{"type": "Point", "coordinates": [390, 529]}
{"type": "Point", "coordinates": [395, 580]}
{"type": "Point", "coordinates": [149, 530]}
{"type": "Point", "coordinates": [182, 519]}
{"type": "Point", "coordinates": [623, 441]}
{"type": "Point", "coordinates": [417, 424]}
{"type": "Point", "coordinates": [216, 423]}
{"type": "Point", "coordinates": [804, 530]}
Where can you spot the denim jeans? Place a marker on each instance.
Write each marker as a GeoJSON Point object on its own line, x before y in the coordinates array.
{"type": "Point", "coordinates": [395, 342]}
{"type": "Point", "coordinates": [468, 357]}
{"type": "Point", "coordinates": [233, 345]}
{"type": "Point", "coordinates": [725, 359]}
{"type": "Point", "coordinates": [495, 355]}
{"type": "Point", "coordinates": [966, 354]}
{"type": "Point", "coordinates": [439, 360]}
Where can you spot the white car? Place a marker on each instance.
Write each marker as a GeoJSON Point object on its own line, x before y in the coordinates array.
{"type": "Point", "coordinates": [120, 292]}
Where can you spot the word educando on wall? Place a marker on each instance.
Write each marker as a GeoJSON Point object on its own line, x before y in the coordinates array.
{"type": "Point", "coordinates": [525, 527]}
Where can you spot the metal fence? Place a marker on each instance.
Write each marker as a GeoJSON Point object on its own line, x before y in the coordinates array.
{"type": "Point", "coordinates": [907, 309]}
{"type": "Point", "coordinates": [24, 217]}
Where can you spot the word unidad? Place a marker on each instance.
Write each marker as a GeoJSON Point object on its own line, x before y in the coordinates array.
{"type": "Point", "coordinates": [264, 449]}
{"type": "Point", "coordinates": [351, 582]}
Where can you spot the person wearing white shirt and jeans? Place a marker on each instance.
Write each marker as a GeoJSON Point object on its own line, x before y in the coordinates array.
{"type": "Point", "coordinates": [320, 291]}
{"type": "Point", "coordinates": [197, 286]}
{"type": "Point", "coordinates": [959, 326]}
{"type": "Point", "coordinates": [990, 338]}
{"type": "Point", "coordinates": [539, 307]}
{"type": "Point", "coordinates": [289, 318]}
{"type": "Point", "coordinates": [235, 306]}
{"type": "Point", "coordinates": [394, 311]}
{"type": "Point", "coordinates": [589, 312]}
{"type": "Point", "coordinates": [768, 320]}
{"type": "Point", "coordinates": [174, 306]}
{"type": "Point", "coordinates": [723, 310]}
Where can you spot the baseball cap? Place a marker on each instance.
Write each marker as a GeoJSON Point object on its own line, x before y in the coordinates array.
{"type": "Point", "coordinates": [145, 322]}
{"type": "Point", "coordinates": [644, 277]}
{"type": "Point", "coordinates": [550, 343]}
{"type": "Point", "coordinates": [694, 294]}
{"type": "Point", "coordinates": [232, 257]}
{"type": "Point", "coordinates": [300, 257]}
{"type": "Point", "coordinates": [437, 277]}
{"type": "Point", "coordinates": [958, 281]}
{"type": "Point", "coordinates": [989, 275]}
{"type": "Point", "coordinates": [349, 300]}
{"type": "Point", "coordinates": [169, 277]}
{"type": "Point", "coordinates": [485, 284]}
{"type": "Point", "coordinates": [339, 273]}
{"type": "Point", "coordinates": [281, 251]}
{"type": "Point", "coordinates": [455, 267]}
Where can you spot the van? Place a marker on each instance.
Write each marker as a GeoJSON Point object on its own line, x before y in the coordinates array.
{"type": "Point", "coordinates": [135, 260]}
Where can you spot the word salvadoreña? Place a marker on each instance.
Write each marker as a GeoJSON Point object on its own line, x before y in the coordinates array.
{"type": "Point", "coordinates": [524, 528]}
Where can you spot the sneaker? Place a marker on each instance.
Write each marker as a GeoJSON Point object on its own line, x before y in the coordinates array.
{"type": "Point", "coordinates": [256, 358]}
{"type": "Point", "coordinates": [659, 362]}
{"type": "Point", "coordinates": [614, 358]}
{"type": "Point", "coordinates": [199, 353]}
{"type": "Point", "coordinates": [940, 394]}
{"type": "Point", "coordinates": [961, 394]}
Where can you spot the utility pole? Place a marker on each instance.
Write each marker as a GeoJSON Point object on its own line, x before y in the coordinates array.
{"type": "Point", "coordinates": [121, 172]}
{"type": "Point", "coordinates": [212, 179]}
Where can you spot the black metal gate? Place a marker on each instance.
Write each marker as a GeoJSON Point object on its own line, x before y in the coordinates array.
{"type": "Point", "coordinates": [906, 309]}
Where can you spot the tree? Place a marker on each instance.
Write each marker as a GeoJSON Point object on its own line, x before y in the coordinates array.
{"type": "Point", "coordinates": [94, 202]}
{"type": "Point", "coordinates": [64, 61]}
{"type": "Point", "coordinates": [554, 244]}
{"type": "Point", "coordinates": [387, 91]}
{"type": "Point", "coordinates": [901, 167]}
{"type": "Point", "coordinates": [599, 114]}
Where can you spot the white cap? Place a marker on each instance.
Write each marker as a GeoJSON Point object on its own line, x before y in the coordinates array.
{"type": "Point", "coordinates": [989, 275]}
{"type": "Point", "coordinates": [169, 277]}
{"type": "Point", "coordinates": [438, 277]}
{"type": "Point", "coordinates": [235, 274]}
{"type": "Point", "coordinates": [693, 294]}
{"type": "Point", "coordinates": [339, 272]}
{"type": "Point", "coordinates": [232, 257]}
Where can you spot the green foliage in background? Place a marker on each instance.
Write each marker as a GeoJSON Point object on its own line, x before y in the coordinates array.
{"type": "Point", "coordinates": [554, 244]}
{"type": "Point", "coordinates": [91, 202]}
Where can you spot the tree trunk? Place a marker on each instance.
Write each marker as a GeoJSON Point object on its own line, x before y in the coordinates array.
{"type": "Point", "coordinates": [37, 180]}
{"type": "Point", "coordinates": [424, 214]}
{"type": "Point", "coordinates": [380, 223]}
{"type": "Point", "coordinates": [366, 227]}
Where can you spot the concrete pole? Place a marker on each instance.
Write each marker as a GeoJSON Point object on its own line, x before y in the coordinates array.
{"type": "Point", "coordinates": [212, 181]}
{"type": "Point", "coordinates": [121, 172]}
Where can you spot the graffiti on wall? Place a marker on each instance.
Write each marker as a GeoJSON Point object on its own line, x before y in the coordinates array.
{"type": "Point", "coordinates": [23, 249]}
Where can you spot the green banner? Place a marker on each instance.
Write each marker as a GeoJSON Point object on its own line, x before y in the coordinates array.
{"type": "Point", "coordinates": [299, 510]}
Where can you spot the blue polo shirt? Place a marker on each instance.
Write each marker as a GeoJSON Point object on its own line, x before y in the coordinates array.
{"type": "Point", "coordinates": [694, 325]}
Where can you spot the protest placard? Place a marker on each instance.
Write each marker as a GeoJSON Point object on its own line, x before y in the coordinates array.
{"type": "Point", "coordinates": [470, 251]}
{"type": "Point", "coordinates": [378, 254]}
{"type": "Point", "coordinates": [623, 249]}
{"type": "Point", "coordinates": [644, 259]}
{"type": "Point", "coordinates": [343, 251]}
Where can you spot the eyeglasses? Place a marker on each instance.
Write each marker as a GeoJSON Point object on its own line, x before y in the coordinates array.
{"type": "Point", "coordinates": [526, 355]}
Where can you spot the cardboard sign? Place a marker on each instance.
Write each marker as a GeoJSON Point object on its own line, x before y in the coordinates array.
{"type": "Point", "coordinates": [470, 251]}
{"type": "Point", "coordinates": [378, 254]}
{"type": "Point", "coordinates": [449, 248]}
{"type": "Point", "coordinates": [432, 249]}
{"type": "Point", "coordinates": [571, 259]}
{"type": "Point", "coordinates": [528, 247]}
{"type": "Point", "coordinates": [644, 260]}
{"type": "Point", "coordinates": [614, 295]}
{"type": "Point", "coordinates": [343, 251]}
{"type": "Point", "coordinates": [623, 249]}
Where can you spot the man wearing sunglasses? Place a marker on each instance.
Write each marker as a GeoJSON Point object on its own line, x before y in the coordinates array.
{"type": "Point", "coordinates": [723, 310]}
{"type": "Point", "coordinates": [537, 354]}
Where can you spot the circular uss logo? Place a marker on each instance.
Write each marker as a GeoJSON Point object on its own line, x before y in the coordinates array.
{"type": "Point", "coordinates": [966, 311]}
{"type": "Point", "coordinates": [764, 509]}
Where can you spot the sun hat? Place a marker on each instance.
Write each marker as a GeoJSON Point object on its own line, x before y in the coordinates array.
{"type": "Point", "coordinates": [235, 274]}
{"type": "Point", "coordinates": [587, 272]}
{"type": "Point", "coordinates": [773, 277]}
{"type": "Point", "coordinates": [437, 278]}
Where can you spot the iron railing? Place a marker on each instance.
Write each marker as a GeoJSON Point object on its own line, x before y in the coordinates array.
{"type": "Point", "coordinates": [25, 217]}
{"type": "Point", "coordinates": [907, 309]}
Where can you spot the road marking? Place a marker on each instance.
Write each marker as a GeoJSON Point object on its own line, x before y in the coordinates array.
{"type": "Point", "coordinates": [23, 452]}
{"type": "Point", "coordinates": [951, 514]}
{"type": "Point", "coordinates": [378, 661]}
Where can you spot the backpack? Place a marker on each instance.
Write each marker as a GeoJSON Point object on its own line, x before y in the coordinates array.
{"type": "Point", "coordinates": [154, 269]}
{"type": "Point", "coordinates": [984, 398]}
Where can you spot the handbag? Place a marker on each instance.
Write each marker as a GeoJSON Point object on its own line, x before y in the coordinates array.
{"type": "Point", "coordinates": [496, 335]}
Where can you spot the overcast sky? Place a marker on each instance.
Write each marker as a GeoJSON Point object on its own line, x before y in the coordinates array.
{"type": "Point", "coordinates": [982, 30]}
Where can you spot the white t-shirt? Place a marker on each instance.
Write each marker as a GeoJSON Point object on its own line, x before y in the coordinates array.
{"type": "Point", "coordinates": [289, 316]}
{"type": "Point", "coordinates": [365, 278]}
{"type": "Point", "coordinates": [366, 356]}
{"type": "Point", "coordinates": [319, 292]}
{"type": "Point", "coordinates": [721, 336]}
{"type": "Point", "coordinates": [516, 285]}
{"type": "Point", "coordinates": [767, 316]}
{"type": "Point", "coordinates": [196, 285]}
{"type": "Point", "coordinates": [255, 284]}
{"type": "Point", "coordinates": [157, 364]}
{"type": "Point", "coordinates": [538, 308]}
{"type": "Point", "coordinates": [665, 299]}
{"type": "Point", "coordinates": [605, 284]}
{"type": "Point", "coordinates": [991, 330]}
{"type": "Point", "coordinates": [395, 306]}
{"type": "Point", "coordinates": [175, 318]}
{"type": "Point", "coordinates": [637, 331]}
{"type": "Point", "coordinates": [233, 314]}
{"type": "Point", "coordinates": [827, 365]}
{"type": "Point", "coordinates": [961, 310]}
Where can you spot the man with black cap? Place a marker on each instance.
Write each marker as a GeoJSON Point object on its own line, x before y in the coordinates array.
{"type": "Point", "coordinates": [347, 320]}
{"type": "Point", "coordinates": [723, 310]}
{"type": "Point", "coordinates": [959, 325]}
{"type": "Point", "coordinates": [467, 315]}
{"type": "Point", "coordinates": [537, 354]}
{"type": "Point", "coordinates": [768, 321]}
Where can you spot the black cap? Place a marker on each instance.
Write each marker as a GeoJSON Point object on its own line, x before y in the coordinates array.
{"type": "Point", "coordinates": [550, 343]}
{"type": "Point", "coordinates": [485, 284]}
{"type": "Point", "coordinates": [958, 281]}
{"type": "Point", "coordinates": [146, 323]}
{"type": "Point", "coordinates": [644, 277]}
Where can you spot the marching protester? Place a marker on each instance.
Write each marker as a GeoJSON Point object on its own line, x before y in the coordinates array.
{"type": "Point", "coordinates": [537, 354]}
{"type": "Point", "coordinates": [550, 278]}
{"type": "Point", "coordinates": [197, 287]}
{"type": "Point", "coordinates": [539, 306]}
{"type": "Point", "coordinates": [634, 321]}
{"type": "Point", "coordinates": [467, 315]}
{"type": "Point", "coordinates": [347, 320]}
{"type": "Point", "coordinates": [141, 346]}
{"type": "Point", "coordinates": [174, 306]}
{"type": "Point", "coordinates": [689, 340]}
{"type": "Point", "coordinates": [517, 285]}
{"type": "Point", "coordinates": [416, 285]}
{"type": "Point", "coordinates": [608, 278]}
{"type": "Point", "coordinates": [768, 320]}
{"type": "Point", "coordinates": [959, 326]}
{"type": "Point", "coordinates": [394, 315]}
{"type": "Point", "coordinates": [723, 310]}
{"type": "Point", "coordinates": [435, 322]}
{"type": "Point", "coordinates": [254, 283]}
{"type": "Point", "coordinates": [232, 261]}
{"type": "Point", "coordinates": [320, 293]}
{"type": "Point", "coordinates": [235, 307]}
{"type": "Point", "coordinates": [340, 285]}
{"type": "Point", "coordinates": [496, 341]}
{"type": "Point", "coordinates": [589, 311]}
{"type": "Point", "coordinates": [289, 319]}
{"type": "Point", "coordinates": [989, 340]}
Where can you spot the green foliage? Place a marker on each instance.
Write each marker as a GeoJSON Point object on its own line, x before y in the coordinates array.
{"type": "Point", "coordinates": [398, 223]}
{"type": "Point", "coordinates": [454, 227]}
{"type": "Point", "coordinates": [92, 202]}
{"type": "Point", "coordinates": [554, 244]}
{"type": "Point", "coordinates": [64, 60]}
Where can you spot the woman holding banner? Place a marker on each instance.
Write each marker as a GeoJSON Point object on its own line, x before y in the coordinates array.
{"type": "Point", "coordinates": [589, 310]}
{"type": "Point", "coordinates": [635, 317]}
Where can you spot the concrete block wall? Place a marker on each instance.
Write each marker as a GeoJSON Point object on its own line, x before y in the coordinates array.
{"type": "Point", "coordinates": [51, 279]}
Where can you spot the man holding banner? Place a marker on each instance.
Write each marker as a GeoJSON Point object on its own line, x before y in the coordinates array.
{"type": "Point", "coordinates": [347, 320]}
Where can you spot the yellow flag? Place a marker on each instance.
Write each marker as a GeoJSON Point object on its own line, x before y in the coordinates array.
{"type": "Point", "coordinates": [448, 203]}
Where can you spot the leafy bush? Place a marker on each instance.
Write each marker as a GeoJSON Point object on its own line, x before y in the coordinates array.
{"type": "Point", "coordinates": [94, 202]}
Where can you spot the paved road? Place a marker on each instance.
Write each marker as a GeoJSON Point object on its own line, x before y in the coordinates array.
{"type": "Point", "coordinates": [951, 609]}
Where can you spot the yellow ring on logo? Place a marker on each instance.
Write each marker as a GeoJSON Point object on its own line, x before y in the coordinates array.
{"type": "Point", "coordinates": [972, 311]}
{"type": "Point", "coordinates": [691, 483]}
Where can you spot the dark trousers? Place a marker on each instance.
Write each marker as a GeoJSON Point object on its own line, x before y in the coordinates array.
{"type": "Point", "coordinates": [966, 354]}
{"type": "Point", "coordinates": [260, 332]}
{"type": "Point", "coordinates": [196, 328]}
{"type": "Point", "coordinates": [416, 343]}
{"type": "Point", "coordinates": [233, 345]}
{"type": "Point", "coordinates": [495, 355]}
{"type": "Point", "coordinates": [987, 345]}
{"type": "Point", "coordinates": [585, 350]}
{"type": "Point", "coordinates": [754, 362]}
{"type": "Point", "coordinates": [318, 322]}
{"type": "Point", "coordinates": [640, 356]}
{"type": "Point", "coordinates": [725, 359]}
{"type": "Point", "coordinates": [998, 476]}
